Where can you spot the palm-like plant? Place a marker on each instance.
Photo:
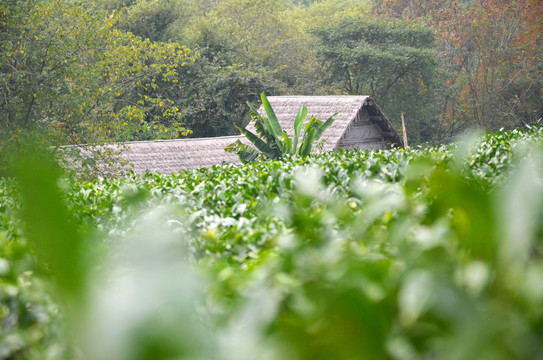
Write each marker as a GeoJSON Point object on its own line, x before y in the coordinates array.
{"type": "Point", "coordinates": [272, 142]}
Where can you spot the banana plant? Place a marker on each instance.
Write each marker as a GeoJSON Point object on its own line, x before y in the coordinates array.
{"type": "Point", "coordinates": [272, 142]}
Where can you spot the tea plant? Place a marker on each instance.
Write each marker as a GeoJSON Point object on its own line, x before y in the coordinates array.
{"type": "Point", "coordinates": [402, 254]}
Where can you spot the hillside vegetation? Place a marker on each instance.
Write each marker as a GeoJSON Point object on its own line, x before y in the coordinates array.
{"type": "Point", "coordinates": [403, 254]}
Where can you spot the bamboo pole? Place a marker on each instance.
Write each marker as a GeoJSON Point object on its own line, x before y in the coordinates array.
{"type": "Point", "coordinates": [404, 133]}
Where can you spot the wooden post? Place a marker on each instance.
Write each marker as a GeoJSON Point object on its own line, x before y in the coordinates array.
{"type": "Point", "coordinates": [404, 134]}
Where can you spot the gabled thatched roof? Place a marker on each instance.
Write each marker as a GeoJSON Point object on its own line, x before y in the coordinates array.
{"type": "Point", "coordinates": [170, 156]}
{"type": "Point", "coordinates": [322, 107]}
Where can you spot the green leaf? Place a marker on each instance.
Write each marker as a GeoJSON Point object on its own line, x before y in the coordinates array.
{"type": "Point", "coordinates": [247, 153]}
{"type": "Point", "coordinates": [257, 142]}
{"type": "Point", "coordinates": [256, 115]}
{"type": "Point", "coordinates": [265, 135]}
{"type": "Point", "coordinates": [272, 118]}
{"type": "Point", "coordinates": [287, 143]}
{"type": "Point", "coordinates": [265, 130]}
{"type": "Point", "coordinates": [298, 123]}
{"type": "Point", "coordinates": [50, 229]}
{"type": "Point", "coordinates": [274, 142]}
{"type": "Point", "coordinates": [326, 125]}
{"type": "Point", "coordinates": [307, 143]}
{"type": "Point", "coordinates": [310, 124]}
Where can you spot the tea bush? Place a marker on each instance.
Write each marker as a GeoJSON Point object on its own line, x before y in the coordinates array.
{"type": "Point", "coordinates": [428, 253]}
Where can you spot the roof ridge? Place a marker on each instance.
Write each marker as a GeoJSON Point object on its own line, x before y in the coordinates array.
{"type": "Point", "coordinates": [176, 140]}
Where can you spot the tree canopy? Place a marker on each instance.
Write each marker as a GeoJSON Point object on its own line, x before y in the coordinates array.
{"type": "Point", "coordinates": [68, 76]}
{"type": "Point", "coordinates": [392, 61]}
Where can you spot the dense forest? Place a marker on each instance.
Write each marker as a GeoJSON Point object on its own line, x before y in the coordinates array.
{"type": "Point", "coordinates": [95, 71]}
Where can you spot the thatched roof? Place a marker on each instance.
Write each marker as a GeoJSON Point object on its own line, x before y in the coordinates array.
{"type": "Point", "coordinates": [170, 156]}
{"type": "Point", "coordinates": [322, 107]}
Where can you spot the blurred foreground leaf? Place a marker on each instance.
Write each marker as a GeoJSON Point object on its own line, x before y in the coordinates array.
{"type": "Point", "coordinates": [50, 229]}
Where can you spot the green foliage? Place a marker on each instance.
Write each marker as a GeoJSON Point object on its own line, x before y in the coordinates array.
{"type": "Point", "coordinates": [400, 254]}
{"type": "Point", "coordinates": [489, 55]}
{"type": "Point", "coordinates": [68, 77]}
{"type": "Point", "coordinates": [54, 238]}
{"type": "Point", "coordinates": [152, 19]}
{"type": "Point", "coordinates": [273, 142]}
{"type": "Point", "coordinates": [212, 94]}
{"type": "Point", "coordinates": [247, 46]}
{"type": "Point", "coordinates": [446, 65]}
{"type": "Point", "coordinates": [393, 61]}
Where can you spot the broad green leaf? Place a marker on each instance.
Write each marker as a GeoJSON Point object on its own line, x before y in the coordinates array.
{"type": "Point", "coordinates": [298, 123]}
{"type": "Point", "coordinates": [307, 143]}
{"type": "Point", "coordinates": [326, 125]}
{"type": "Point", "coordinates": [256, 115]}
{"type": "Point", "coordinates": [58, 243]}
{"type": "Point", "coordinates": [272, 118]}
{"type": "Point", "coordinates": [267, 137]}
{"type": "Point", "coordinates": [310, 124]}
{"type": "Point", "coordinates": [247, 153]}
{"type": "Point", "coordinates": [287, 143]}
{"type": "Point", "coordinates": [270, 133]}
{"type": "Point", "coordinates": [257, 142]}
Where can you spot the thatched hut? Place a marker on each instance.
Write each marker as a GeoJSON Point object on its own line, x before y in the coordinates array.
{"type": "Point", "coordinates": [359, 124]}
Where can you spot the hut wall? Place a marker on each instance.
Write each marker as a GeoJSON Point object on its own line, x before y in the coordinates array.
{"type": "Point", "coordinates": [362, 134]}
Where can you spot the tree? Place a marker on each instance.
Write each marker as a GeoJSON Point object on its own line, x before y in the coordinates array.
{"type": "Point", "coordinates": [68, 77]}
{"type": "Point", "coordinates": [498, 49]}
{"type": "Point", "coordinates": [245, 47]}
{"type": "Point", "coordinates": [264, 36]}
{"type": "Point", "coordinates": [212, 97]}
{"type": "Point", "coordinates": [211, 92]}
{"type": "Point", "coordinates": [156, 20]}
{"type": "Point", "coordinates": [393, 61]}
{"type": "Point", "coordinates": [491, 53]}
{"type": "Point", "coordinates": [330, 12]}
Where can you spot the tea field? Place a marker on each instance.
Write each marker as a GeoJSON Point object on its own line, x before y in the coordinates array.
{"type": "Point", "coordinates": [428, 253]}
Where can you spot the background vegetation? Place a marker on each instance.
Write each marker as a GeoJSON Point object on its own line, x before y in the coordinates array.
{"type": "Point", "coordinates": [94, 71]}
